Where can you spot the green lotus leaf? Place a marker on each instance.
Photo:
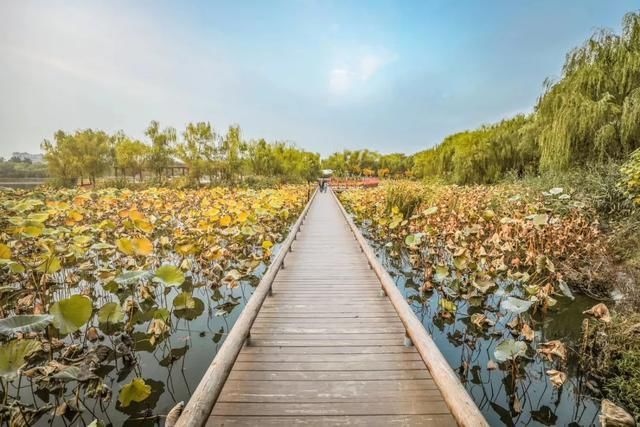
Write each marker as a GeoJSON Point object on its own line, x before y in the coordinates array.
{"type": "Point", "coordinates": [38, 217]}
{"type": "Point", "coordinates": [515, 305]}
{"type": "Point", "coordinates": [50, 265]}
{"type": "Point", "coordinates": [25, 324]}
{"type": "Point", "coordinates": [111, 312]}
{"type": "Point", "coordinates": [509, 350]}
{"type": "Point", "coordinates": [71, 314]}
{"type": "Point", "coordinates": [540, 219]}
{"type": "Point", "coordinates": [169, 275]}
{"type": "Point", "coordinates": [136, 391]}
{"type": "Point", "coordinates": [130, 277]}
{"type": "Point", "coordinates": [13, 356]}
{"type": "Point", "coordinates": [184, 301]}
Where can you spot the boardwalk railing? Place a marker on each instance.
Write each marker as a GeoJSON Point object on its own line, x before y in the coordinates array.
{"type": "Point", "coordinates": [199, 407]}
{"type": "Point", "coordinates": [460, 403]}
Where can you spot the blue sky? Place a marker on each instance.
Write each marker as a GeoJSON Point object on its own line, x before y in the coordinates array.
{"type": "Point", "coordinates": [326, 75]}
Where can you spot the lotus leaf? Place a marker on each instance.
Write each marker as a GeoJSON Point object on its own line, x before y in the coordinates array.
{"type": "Point", "coordinates": [130, 277]}
{"type": "Point", "coordinates": [5, 251]}
{"type": "Point", "coordinates": [25, 323]}
{"type": "Point", "coordinates": [13, 356]}
{"type": "Point", "coordinates": [111, 312]}
{"type": "Point", "coordinates": [169, 275]}
{"type": "Point", "coordinates": [509, 350]}
{"type": "Point", "coordinates": [515, 305]}
{"type": "Point", "coordinates": [136, 391]}
{"type": "Point", "coordinates": [71, 314]}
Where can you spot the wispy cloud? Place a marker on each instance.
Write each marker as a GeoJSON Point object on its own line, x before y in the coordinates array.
{"type": "Point", "coordinates": [358, 71]}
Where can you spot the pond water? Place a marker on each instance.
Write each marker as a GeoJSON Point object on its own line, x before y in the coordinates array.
{"type": "Point", "coordinates": [529, 398]}
{"type": "Point", "coordinates": [173, 366]}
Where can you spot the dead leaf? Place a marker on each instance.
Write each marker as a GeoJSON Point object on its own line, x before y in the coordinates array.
{"type": "Point", "coordinates": [557, 377]}
{"type": "Point", "coordinates": [600, 312]}
{"type": "Point", "coordinates": [92, 334]}
{"type": "Point", "coordinates": [612, 415]}
{"type": "Point", "coordinates": [553, 348]}
{"type": "Point", "coordinates": [527, 332]}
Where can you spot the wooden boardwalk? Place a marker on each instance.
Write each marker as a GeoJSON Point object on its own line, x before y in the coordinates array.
{"type": "Point", "coordinates": [327, 348]}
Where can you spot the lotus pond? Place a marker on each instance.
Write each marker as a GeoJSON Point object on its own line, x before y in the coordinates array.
{"type": "Point", "coordinates": [113, 303]}
{"type": "Point", "coordinates": [493, 273]}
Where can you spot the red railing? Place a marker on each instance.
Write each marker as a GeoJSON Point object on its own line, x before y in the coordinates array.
{"type": "Point", "coordinates": [340, 184]}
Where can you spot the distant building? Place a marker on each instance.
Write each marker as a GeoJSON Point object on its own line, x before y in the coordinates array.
{"type": "Point", "coordinates": [35, 158]}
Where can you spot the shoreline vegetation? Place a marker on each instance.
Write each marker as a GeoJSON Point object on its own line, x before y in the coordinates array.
{"type": "Point", "coordinates": [536, 207]}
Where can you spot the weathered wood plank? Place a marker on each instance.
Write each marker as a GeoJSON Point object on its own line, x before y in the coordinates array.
{"type": "Point", "coordinates": [328, 366]}
{"type": "Point", "coordinates": [364, 349]}
{"type": "Point", "coordinates": [414, 374]}
{"type": "Point", "coordinates": [279, 357]}
{"type": "Point", "coordinates": [346, 420]}
{"type": "Point", "coordinates": [321, 343]}
{"type": "Point", "coordinates": [406, 407]}
{"type": "Point", "coordinates": [328, 391]}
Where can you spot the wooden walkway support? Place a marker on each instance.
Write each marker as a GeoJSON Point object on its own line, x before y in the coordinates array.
{"type": "Point", "coordinates": [330, 343]}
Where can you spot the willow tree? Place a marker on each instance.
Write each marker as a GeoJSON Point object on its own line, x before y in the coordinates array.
{"type": "Point", "coordinates": [592, 113]}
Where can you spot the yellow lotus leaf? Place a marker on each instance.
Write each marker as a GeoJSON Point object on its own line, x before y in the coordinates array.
{"type": "Point", "coordinates": [186, 249]}
{"type": "Point", "coordinates": [242, 217]}
{"type": "Point", "coordinates": [5, 251]}
{"type": "Point", "coordinates": [225, 221]}
{"type": "Point", "coordinates": [142, 246]}
{"type": "Point", "coordinates": [212, 213]}
{"type": "Point", "coordinates": [74, 216]}
{"type": "Point", "coordinates": [267, 244]}
{"type": "Point", "coordinates": [136, 215]}
{"type": "Point", "coordinates": [125, 246]}
{"type": "Point", "coordinates": [143, 225]}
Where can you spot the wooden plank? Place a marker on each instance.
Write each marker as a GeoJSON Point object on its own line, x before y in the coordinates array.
{"type": "Point", "coordinates": [328, 391]}
{"type": "Point", "coordinates": [305, 357]}
{"type": "Point", "coordinates": [322, 337]}
{"type": "Point", "coordinates": [328, 366]}
{"type": "Point", "coordinates": [364, 349]}
{"type": "Point", "coordinates": [346, 420]}
{"type": "Point", "coordinates": [320, 343]}
{"type": "Point", "coordinates": [406, 407]}
{"type": "Point", "coordinates": [410, 374]}
{"type": "Point", "coordinates": [255, 330]}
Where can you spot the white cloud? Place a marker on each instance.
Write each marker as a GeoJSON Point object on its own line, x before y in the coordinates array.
{"type": "Point", "coordinates": [340, 80]}
{"type": "Point", "coordinates": [356, 72]}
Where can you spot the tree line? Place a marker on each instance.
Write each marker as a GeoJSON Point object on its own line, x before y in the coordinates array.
{"type": "Point", "coordinates": [590, 115]}
{"type": "Point", "coordinates": [206, 155]}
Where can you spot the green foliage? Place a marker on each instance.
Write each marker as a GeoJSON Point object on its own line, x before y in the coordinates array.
{"type": "Point", "coordinates": [13, 169]}
{"type": "Point", "coordinates": [481, 156]}
{"type": "Point", "coordinates": [85, 153]}
{"type": "Point", "coordinates": [630, 179]}
{"type": "Point", "coordinates": [131, 156]}
{"type": "Point", "coordinates": [591, 115]}
{"type": "Point", "coordinates": [368, 163]}
{"type": "Point", "coordinates": [161, 149]}
{"type": "Point", "coordinates": [403, 197]}
{"type": "Point", "coordinates": [624, 386]}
